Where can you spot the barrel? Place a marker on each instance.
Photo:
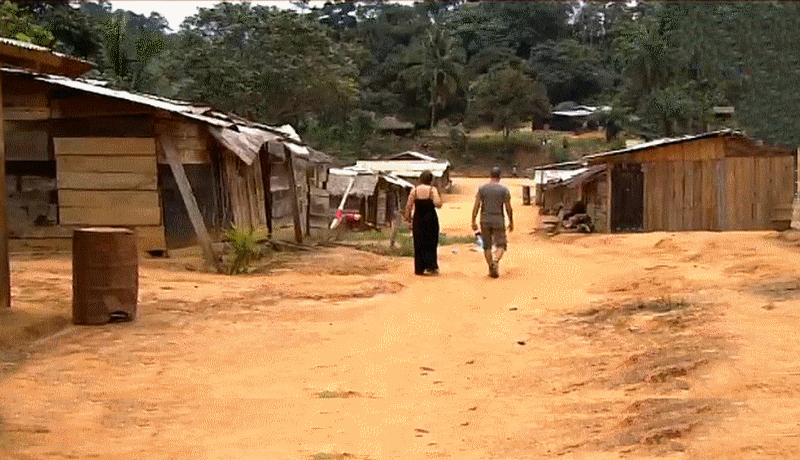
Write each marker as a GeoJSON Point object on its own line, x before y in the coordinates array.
{"type": "Point", "coordinates": [526, 195]}
{"type": "Point", "coordinates": [105, 275]}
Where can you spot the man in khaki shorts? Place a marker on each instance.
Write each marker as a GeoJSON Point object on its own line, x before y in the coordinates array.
{"type": "Point", "coordinates": [491, 200]}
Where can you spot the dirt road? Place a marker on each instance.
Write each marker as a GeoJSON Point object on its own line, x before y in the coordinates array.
{"type": "Point", "coordinates": [601, 347]}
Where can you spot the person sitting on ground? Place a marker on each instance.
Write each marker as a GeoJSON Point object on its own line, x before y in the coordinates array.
{"type": "Point", "coordinates": [576, 216]}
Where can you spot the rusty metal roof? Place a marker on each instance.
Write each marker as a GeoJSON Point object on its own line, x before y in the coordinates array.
{"type": "Point", "coordinates": [243, 137]}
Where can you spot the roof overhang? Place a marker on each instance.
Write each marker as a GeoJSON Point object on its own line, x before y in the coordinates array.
{"type": "Point", "coordinates": [41, 59]}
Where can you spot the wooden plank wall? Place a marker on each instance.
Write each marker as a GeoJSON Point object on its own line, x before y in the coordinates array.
{"type": "Point", "coordinates": [190, 139]}
{"type": "Point", "coordinates": [757, 188]}
{"type": "Point", "coordinates": [694, 186]}
{"type": "Point", "coordinates": [319, 211]}
{"type": "Point", "coordinates": [281, 197]}
{"type": "Point", "coordinates": [110, 182]}
{"type": "Point", "coordinates": [680, 183]}
{"type": "Point", "coordinates": [246, 191]}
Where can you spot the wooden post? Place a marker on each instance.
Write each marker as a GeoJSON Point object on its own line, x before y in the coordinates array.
{"type": "Point", "coordinates": [5, 270]}
{"type": "Point", "coordinates": [609, 201]}
{"type": "Point", "coordinates": [266, 180]}
{"type": "Point", "coordinates": [308, 206]}
{"type": "Point", "coordinates": [796, 204]}
{"type": "Point", "coordinates": [189, 200]}
{"type": "Point", "coordinates": [289, 163]}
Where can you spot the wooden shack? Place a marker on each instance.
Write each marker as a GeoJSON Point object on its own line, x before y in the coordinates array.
{"type": "Point", "coordinates": [81, 154]}
{"type": "Point", "coordinates": [377, 197]}
{"type": "Point", "coordinates": [550, 175]}
{"type": "Point", "coordinates": [588, 185]}
{"type": "Point", "coordinates": [720, 180]}
{"type": "Point", "coordinates": [26, 56]}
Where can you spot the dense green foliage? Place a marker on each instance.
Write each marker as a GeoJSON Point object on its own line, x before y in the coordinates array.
{"type": "Point", "coordinates": [333, 71]}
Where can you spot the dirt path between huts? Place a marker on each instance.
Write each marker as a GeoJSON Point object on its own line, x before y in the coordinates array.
{"type": "Point", "coordinates": [587, 347]}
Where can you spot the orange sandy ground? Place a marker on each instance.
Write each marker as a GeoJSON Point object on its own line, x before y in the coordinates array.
{"type": "Point", "coordinates": [345, 354]}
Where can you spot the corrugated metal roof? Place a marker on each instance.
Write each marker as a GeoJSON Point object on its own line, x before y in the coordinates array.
{"type": "Point", "coordinates": [665, 141]}
{"type": "Point", "coordinates": [245, 142]}
{"type": "Point", "coordinates": [236, 133]}
{"type": "Point", "coordinates": [575, 180]}
{"type": "Point", "coordinates": [573, 113]}
{"type": "Point", "coordinates": [338, 179]}
{"type": "Point", "coordinates": [364, 184]}
{"type": "Point", "coordinates": [560, 166]}
{"type": "Point", "coordinates": [397, 181]}
{"type": "Point", "coordinates": [404, 168]}
{"type": "Point", "coordinates": [200, 113]}
{"type": "Point", "coordinates": [411, 153]}
{"type": "Point", "coordinates": [556, 175]}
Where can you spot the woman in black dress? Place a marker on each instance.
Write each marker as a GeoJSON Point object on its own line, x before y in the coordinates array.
{"type": "Point", "coordinates": [422, 204]}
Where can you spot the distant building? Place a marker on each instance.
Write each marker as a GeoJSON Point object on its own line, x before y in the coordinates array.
{"type": "Point", "coordinates": [719, 180]}
{"type": "Point", "coordinates": [410, 170]}
{"type": "Point", "coordinates": [394, 126]}
{"type": "Point", "coordinates": [574, 117]}
{"type": "Point", "coordinates": [377, 197]}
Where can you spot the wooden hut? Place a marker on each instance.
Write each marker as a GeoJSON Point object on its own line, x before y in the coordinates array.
{"type": "Point", "coordinates": [27, 56]}
{"type": "Point", "coordinates": [378, 197]}
{"type": "Point", "coordinates": [393, 125]}
{"type": "Point", "coordinates": [81, 154]}
{"type": "Point", "coordinates": [585, 184]}
{"type": "Point", "coordinates": [719, 180]}
{"type": "Point", "coordinates": [549, 175]}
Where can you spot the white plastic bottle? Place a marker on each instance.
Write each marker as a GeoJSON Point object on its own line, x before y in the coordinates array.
{"type": "Point", "coordinates": [479, 239]}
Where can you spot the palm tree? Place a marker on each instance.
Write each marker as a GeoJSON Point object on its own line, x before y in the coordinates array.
{"type": "Point", "coordinates": [436, 61]}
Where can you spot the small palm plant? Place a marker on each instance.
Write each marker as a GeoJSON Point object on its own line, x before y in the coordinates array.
{"type": "Point", "coordinates": [244, 243]}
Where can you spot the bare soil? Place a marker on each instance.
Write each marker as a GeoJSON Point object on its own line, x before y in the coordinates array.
{"type": "Point", "coordinates": [653, 345]}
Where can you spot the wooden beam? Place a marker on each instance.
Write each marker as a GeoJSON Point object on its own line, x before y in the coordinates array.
{"type": "Point", "coordinates": [189, 200]}
{"type": "Point", "coordinates": [5, 271]}
{"type": "Point", "coordinates": [113, 146]}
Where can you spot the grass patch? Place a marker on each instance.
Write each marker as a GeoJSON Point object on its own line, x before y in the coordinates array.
{"type": "Point", "coordinates": [337, 394]}
{"type": "Point", "coordinates": [445, 240]}
{"type": "Point", "coordinates": [369, 235]}
{"type": "Point", "coordinates": [405, 244]}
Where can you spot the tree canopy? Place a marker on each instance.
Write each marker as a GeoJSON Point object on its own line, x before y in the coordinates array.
{"type": "Point", "coordinates": [662, 66]}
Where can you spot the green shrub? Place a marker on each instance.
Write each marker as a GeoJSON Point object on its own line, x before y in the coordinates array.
{"type": "Point", "coordinates": [244, 244]}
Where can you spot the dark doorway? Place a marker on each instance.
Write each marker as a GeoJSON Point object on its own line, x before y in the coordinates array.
{"type": "Point", "coordinates": [177, 225]}
{"type": "Point", "coordinates": [627, 198]}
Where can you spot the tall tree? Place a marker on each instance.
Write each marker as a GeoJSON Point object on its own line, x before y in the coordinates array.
{"type": "Point", "coordinates": [505, 98]}
{"type": "Point", "coordinates": [19, 24]}
{"type": "Point", "coordinates": [77, 30]}
{"type": "Point", "coordinates": [271, 65]}
{"type": "Point", "coordinates": [436, 62]}
{"type": "Point", "coordinates": [572, 71]}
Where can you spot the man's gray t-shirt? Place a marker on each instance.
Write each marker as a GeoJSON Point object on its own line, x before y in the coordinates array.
{"type": "Point", "coordinates": [492, 197]}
